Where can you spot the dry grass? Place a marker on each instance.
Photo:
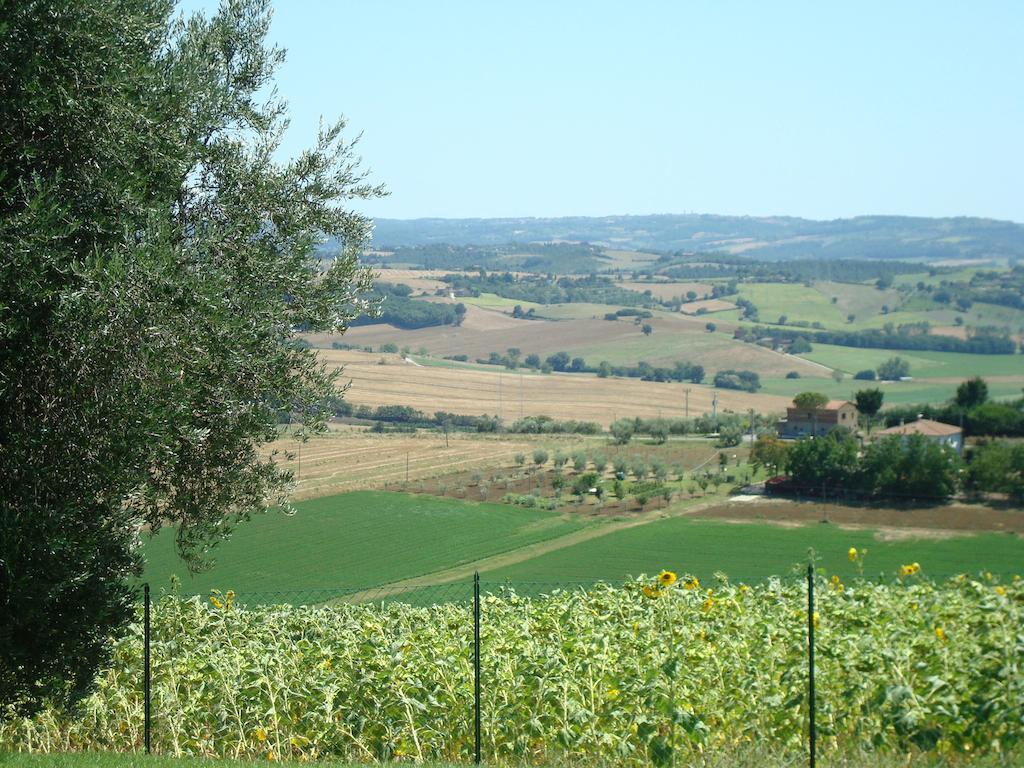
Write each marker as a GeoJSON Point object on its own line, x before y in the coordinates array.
{"type": "Point", "coordinates": [709, 305]}
{"type": "Point", "coordinates": [418, 279]}
{"type": "Point", "coordinates": [668, 290]}
{"type": "Point", "coordinates": [676, 337]}
{"type": "Point", "coordinates": [511, 395]}
{"type": "Point", "coordinates": [351, 458]}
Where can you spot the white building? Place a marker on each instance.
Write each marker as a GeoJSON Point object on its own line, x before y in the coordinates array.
{"type": "Point", "coordinates": [936, 431]}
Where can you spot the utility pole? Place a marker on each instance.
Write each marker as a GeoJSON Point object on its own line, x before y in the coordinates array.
{"type": "Point", "coordinates": [687, 391]}
{"type": "Point", "coordinates": [751, 426]}
{"type": "Point", "coordinates": [714, 406]}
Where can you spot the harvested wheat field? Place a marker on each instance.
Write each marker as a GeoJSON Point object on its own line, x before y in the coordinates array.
{"type": "Point", "coordinates": [511, 395]}
{"type": "Point", "coordinates": [676, 337]}
{"type": "Point", "coordinates": [668, 290]}
{"type": "Point", "coordinates": [354, 458]}
{"type": "Point", "coordinates": [428, 280]}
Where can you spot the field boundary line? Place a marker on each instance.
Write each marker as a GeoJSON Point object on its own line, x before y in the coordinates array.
{"type": "Point", "coordinates": [526, 552]}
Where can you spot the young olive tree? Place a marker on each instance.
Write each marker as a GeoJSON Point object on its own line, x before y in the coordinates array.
{"type": "Point", "coordinates": [157, 260]}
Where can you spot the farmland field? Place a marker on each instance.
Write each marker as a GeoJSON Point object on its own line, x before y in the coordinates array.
{"type": "Point", "coordinates": [954, 366]}
{"type": "Point", "coordinates": [355, 459]}
{"type": "Point", "coordinates": [751, 552]}
{"type": "Point", "coordinates": [814, 303]}
{"type": "Point", "coordinates": [798, 302]}
{"type": "Point", "coordinates": [420, 280]}
{"type": "Point", "coordinates": [511, 394]}
{"type": "Point", "coordinates": [355, 540]}
{"type": "Point", "coordinates": [579, 330]}
{"type": "Point", "coordinates": [664, 290]}
{"type": "Point", "coordinates": [706, 306]}
{"type": "Point", "coordinates": [899, 392]}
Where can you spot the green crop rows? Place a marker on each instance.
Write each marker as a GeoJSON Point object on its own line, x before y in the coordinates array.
{"type": "Point", "coordinates": [355, 540]}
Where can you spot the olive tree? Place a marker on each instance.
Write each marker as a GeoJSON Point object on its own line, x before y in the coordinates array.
{"type": "Point", "coordinates": [157, 259]}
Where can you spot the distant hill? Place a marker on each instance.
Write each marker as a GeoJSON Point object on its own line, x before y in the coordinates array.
{"type": "Point", "coordinates": [872, 237]}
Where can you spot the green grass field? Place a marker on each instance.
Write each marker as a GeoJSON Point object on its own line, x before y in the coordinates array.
{"type": "Point", "coordinates": [813, 303]}
{"type": "Point", "coordinates": [493, 301]}
{"type": "Point", "coordinates": [752, 552]}
{"type": "Point", "coordinates": [896, 393]}
{"type": "Point", "coordinates": [354, 540]}
{"type": "Point", "coordinates": [923, 364]}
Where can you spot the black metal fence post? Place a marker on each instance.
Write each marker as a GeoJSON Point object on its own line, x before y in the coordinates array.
{"type": "Point", "coordinates": [811, 728]}
{"type": "Point", "coordinates": [146, 675]}
{"type": "Point", "coordinates": [476, 668]}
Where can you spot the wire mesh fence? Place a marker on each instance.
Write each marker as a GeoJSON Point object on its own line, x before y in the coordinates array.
{"type": "Point", "coordinates": [478, 669]}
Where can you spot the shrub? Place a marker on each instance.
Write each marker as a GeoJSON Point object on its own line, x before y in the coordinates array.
{"type": "Point", "coordinates": [748, 381]}
{"type": "Point", "coordinates": [622, 430]}
{"type": "Point", "coordinates": [579, 461]}
{"type": "Point", "coordinates": [893, 369]}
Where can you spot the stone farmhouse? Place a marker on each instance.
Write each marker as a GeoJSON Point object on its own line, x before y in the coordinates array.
{"type": "Point", "coordinates": [800, 422]}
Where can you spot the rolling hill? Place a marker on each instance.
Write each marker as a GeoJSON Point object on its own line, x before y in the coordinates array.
{"type": "Point", "coordinates": [769, 237]}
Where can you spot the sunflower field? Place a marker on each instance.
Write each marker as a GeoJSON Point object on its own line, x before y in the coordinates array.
{"type": "Point", "coordinates": [650, 672]}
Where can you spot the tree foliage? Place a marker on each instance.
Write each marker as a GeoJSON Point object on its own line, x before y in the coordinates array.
{"type": "Point", "coordinates": [998, 467]}
{"type": "Point", "coordinates": [971, 393]}
{"type": "Point", "coordinates": [749, 381]}
{"type": "Point", "coordinates": [893, 369]}
{"type": "Point", "coordinates": [769, 452]}
{"type": "Point", "coordinates": [156, 261]}
{"type": "Point", "coordinates": [824, 463]}
{"type": "Point", "coordinates": [810, 401]}
{"type": "Point", "coordinates": [897, 466]}
{"type": "Point", "coordinates": [908, 466]}
{"type": "Point", "coordinates": [869, 401]}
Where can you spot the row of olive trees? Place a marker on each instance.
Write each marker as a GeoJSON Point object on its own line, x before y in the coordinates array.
{"type": "Point", "coordinates": [581, 461]}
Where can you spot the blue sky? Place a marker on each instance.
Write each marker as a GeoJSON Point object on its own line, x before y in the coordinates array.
{"type": "Point", "coordinates": [816, 109]}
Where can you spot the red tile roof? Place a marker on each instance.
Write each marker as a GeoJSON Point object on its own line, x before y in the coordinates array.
{"type": "Point", "coordinates": [835, 405]}
{"type": "Point", "coordinates": [923, 427]}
